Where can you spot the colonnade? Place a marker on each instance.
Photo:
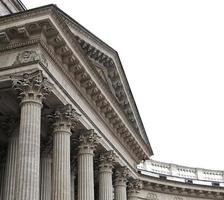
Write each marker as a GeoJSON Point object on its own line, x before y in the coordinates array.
{"type": "Point", "coordinates": [44, 175]}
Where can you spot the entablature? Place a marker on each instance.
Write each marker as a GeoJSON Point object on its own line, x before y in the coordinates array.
{"type": "Point", "coordinates": [180, 189]}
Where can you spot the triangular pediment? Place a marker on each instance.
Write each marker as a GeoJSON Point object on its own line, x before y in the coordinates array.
{"type": "Point", "coordinates": [96, 66]}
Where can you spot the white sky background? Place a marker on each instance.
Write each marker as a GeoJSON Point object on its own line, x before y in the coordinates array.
{"type": "Point", "coordinates": [173, 55]}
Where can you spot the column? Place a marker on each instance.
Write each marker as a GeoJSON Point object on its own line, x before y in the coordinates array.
{"type": "Point", "coordinates": [64, 119]}
{"type": "Point", "coordinates": [73, 171]}
{"type": "Point", "coordinates": [46, 167]}
{"type": "Point", "coordinates": [134, 187]}
{"type": "Point", "coordinates": [72, 185]}
{"type": "Point", "coordinates": [88, 142]}
{"type": "Point", "coordinates": [11, 162]}
{"type": "Point", "coordinates": [120, 183]}
{"type": "Point", "coordinates": [107, 161]}
{"type": "Point", "coordinates": [45, 176]}
{"type": "Point", "coordinates": [2, 171]}
{"type": "Point", "coordinates": [32, 89]}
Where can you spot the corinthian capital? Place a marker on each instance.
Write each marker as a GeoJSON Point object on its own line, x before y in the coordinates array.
{"type": "Point", "coordinates": [134, 186]}
{"type": "Point", "coordinates": [31, 86]}
{"type": "Point", "coordinates": [121, 175]}
{"type": "Point", "coordinates": [88, 140]}
{"type": "Point", "coordinates": [64, 118]}
{"type": "Point", "coordinates": [107, 160]}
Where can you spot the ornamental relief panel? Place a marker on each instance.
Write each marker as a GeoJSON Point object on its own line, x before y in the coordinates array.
{"type": "Point", "coordinates": [152, 196]}
{"type": "Point", "coordinates": [29, 56]}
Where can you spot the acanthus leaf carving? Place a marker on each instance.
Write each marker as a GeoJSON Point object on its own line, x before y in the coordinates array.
{"type": "Point", "coordinates": [88, 139]}
{"type": "Point", "coordinates": [107, 160]}
{"type": "Point", "coordinates": [64, 118]}
{"type": "Point", "coordinates": [134, 186]}
{"type": "Point", "coordinates": [31, 86]}
{"type": "Point", "coordinates": [121, 175]}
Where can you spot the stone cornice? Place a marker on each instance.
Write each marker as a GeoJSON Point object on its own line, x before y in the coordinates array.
{"type": "Point", "coordinates": [82, 77]}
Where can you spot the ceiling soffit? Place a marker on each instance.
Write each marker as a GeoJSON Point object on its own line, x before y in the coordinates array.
{"type": "Point", "coordinates": [64, 54]}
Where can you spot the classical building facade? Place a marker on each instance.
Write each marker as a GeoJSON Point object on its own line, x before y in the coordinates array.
{"type": "Point", "coordinates": [69, 126]}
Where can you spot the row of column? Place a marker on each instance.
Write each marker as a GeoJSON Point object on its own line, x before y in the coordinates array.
{"type": "Point", "coordinates": [86, 187]}
{"type": "Point", "coordinates": [23, 161]}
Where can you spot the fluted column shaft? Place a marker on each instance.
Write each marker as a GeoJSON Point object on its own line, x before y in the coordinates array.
{"type": "Point", "coordinates": [29, 152]}
{"type": "Point", "coordinates": [85, 166]}
{"type": "Point", "coordinates": [72, 185]}
{"type": "Point", "coordinates": [120, 191]}
{"type": "Point", "coordinates": [11, 167]}
{"type": "Point", "coordinates": [105, 176]}
{"type": "Point", "coordinates": [61, 166]}
{"type": "Point", "coordinates": [120, 184]}
{"type": "Point", "coordinates": [45, 176]}
{"type": "Point", "coordinates": [32, 89]}
{"type": "Point", "coordinates": [85, 175]}
{"type": "Point", "coordinates": [64, 119]}
{"type": "Point", "coordinates": [105, 185]}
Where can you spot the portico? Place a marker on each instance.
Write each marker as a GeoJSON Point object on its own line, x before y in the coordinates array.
{"type": "Point", "coordinates": [69, 125]}
{"type": "Point", "coordinates": [70, 139]}
{"type": "Point", "coordinates": [51, 155]}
